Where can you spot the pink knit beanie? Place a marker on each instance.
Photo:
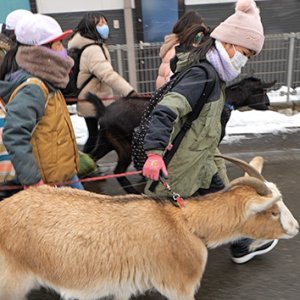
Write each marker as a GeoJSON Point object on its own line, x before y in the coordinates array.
{"type": "Point", "coordinates": [243, 28]}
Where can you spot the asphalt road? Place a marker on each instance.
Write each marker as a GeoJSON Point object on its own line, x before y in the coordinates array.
{"type": "Point", "coordinates": [274, 276]}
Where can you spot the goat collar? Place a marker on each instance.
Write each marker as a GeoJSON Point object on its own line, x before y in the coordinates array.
{"type": "Point", "coordinates": [176, 198]}
{"type": "Point", "coordinates": [229, 106]}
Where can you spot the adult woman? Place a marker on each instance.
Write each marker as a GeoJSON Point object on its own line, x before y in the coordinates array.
{"type": "Point", "coordinates": [193, 169]}
{"type": "Point", "coordinates": [95, 60]}
{"type": "Point", "coordinates": [167, 50]}
{"type": "Point", "coordinates": [38, 133]}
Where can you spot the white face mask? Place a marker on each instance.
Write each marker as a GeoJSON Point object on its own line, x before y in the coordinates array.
{"type": "Point", "coordinates": [238, 60]}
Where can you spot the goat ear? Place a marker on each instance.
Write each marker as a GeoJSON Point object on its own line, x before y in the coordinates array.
{"type": "Point", "coordinates": [266, 85]}
{"type": "Point", "coordinates": [257, 163]}
{"type": "Point", "coordinates": [261, 203]}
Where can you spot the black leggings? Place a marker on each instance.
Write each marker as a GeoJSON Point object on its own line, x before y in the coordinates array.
{"type": "Point", "coordinates": [92, 125]}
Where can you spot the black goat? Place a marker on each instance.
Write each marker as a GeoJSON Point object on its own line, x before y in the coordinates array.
{"type": "Point", "coordinates": [250, 92]}
{"type": "Point", "coordinates": [118, 120]}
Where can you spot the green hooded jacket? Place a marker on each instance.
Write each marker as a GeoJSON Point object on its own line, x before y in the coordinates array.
{"type": "Point", "coordinates": [193, 165]}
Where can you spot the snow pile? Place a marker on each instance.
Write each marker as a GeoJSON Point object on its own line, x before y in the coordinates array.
{"type": "Point", "coordinates": [240, 123]}
{"type": "Point", "coordinates": [280, 95]}
{"type": "Point", "coordinates": [81, 131]}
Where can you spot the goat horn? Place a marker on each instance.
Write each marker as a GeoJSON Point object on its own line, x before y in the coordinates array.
{"type": "Point", "coordinates": [260, 187]}
{"type": "Point", "coordinates": [244, 166]}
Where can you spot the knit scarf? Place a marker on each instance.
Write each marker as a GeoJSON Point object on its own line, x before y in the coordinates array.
{"type": "Point", "coordinates": [220, 59]}
{"type": "Point", "coordinates": [42, 62]}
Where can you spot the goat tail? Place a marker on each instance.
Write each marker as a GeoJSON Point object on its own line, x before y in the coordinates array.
{"type": "Point", "coordinates": [98, 104]}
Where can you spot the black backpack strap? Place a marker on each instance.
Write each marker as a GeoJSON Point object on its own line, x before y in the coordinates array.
{"type": "Point", "coordinates": [208, 88]}
{"type": "Point", "coordinates": [97, 44]}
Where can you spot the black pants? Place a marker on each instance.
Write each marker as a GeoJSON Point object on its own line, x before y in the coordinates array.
{"type": "Point", "coordinates": [7, 193]}
{"type": "Point", "coordinates": [92, 126]}
{"type": "Point", "coordinates": [216, 185]}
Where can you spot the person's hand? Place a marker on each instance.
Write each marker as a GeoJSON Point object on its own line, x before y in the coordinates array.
{"type": "Point", "coordinates": [41, 182]}
{"type": "Point", "coordinates": [153, 165]}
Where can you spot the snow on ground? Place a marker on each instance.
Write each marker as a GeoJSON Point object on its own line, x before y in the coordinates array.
{"type": "Point", "coordinates": [280, 94]}
{"type": "Point", "coordinates": [80, 129]}
{"type": "Point", "coordinates": [240, 123]}
{"type": "Point", "coordinates": [258, 122]}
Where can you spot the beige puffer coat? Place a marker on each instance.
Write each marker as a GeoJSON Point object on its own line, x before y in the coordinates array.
{"type": "Point", "coordinates": [106, 81]}
{"type": "Point", "coordinates": [167, 51]}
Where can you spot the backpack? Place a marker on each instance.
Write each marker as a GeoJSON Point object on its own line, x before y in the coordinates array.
{"type": "Point", "coordinates": [139, 155]}
{"type": "Point", "coordinates": [7, 171]}
{"type": "Point", "coordinates": [71, 90]}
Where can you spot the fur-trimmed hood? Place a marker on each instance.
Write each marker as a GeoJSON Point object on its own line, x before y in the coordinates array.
{"type": "Point", "coordinates": [169, 42]}
{"type": "Point", "coordinates": [44, 63]}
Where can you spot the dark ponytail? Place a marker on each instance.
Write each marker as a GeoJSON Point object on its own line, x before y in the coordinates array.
{"type": "Point", "coordinates": [199, 52]}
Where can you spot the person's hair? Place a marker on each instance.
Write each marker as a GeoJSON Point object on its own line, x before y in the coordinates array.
{"type": "Point", "coordinates": [187, 20]}
{"type": "Point", "coordinates": [199, 53]}
{"type": "Point", "coordinates": [9, 64]}
{"type": "Point", "coordinates": [194, 34]}
{"type": "Point", "coordinates": [87, 26]}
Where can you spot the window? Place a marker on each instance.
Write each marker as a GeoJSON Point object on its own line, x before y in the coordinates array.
{"type": "Point", "coordinates": [156, 18]}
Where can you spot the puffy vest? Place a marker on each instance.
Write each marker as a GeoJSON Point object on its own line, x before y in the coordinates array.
{"type": "Point", "coordinates": [54, 143]}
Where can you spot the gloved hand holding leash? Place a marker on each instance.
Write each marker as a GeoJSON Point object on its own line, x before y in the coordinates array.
{"type": "Point", "coordinates": [153, 165]}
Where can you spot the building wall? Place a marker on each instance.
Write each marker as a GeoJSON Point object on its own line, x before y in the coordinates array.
{"type": "Point", "coordinates": [117, 35]}
{"type": "Point", "coordinates": [62, 6]}
{"type": "Point", "coordinates": [277, 16]}
{"type": "Point", "coordinates": [7, 6]}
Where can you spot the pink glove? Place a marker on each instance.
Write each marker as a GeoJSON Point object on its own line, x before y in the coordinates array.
{"type": "Point", "coordinates": [153, 165]}
{"type": "Point", "coordinates": [41, 182]}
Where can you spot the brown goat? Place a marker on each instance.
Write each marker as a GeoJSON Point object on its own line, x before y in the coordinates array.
{"type": "Point", "coordinates": [118, 120]}
{"type": "Point", "coordinates": [87, 246]}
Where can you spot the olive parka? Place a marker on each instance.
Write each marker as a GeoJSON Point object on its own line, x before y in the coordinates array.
{"type": "Point", "coordinates": [193, 165]}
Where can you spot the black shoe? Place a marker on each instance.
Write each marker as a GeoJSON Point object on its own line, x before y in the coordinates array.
{"type": "Point", "coordinates": [241, 251]}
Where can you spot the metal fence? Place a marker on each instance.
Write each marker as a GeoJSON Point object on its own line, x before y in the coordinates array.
{"type": "Point", "coordinates": [279, 60]}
